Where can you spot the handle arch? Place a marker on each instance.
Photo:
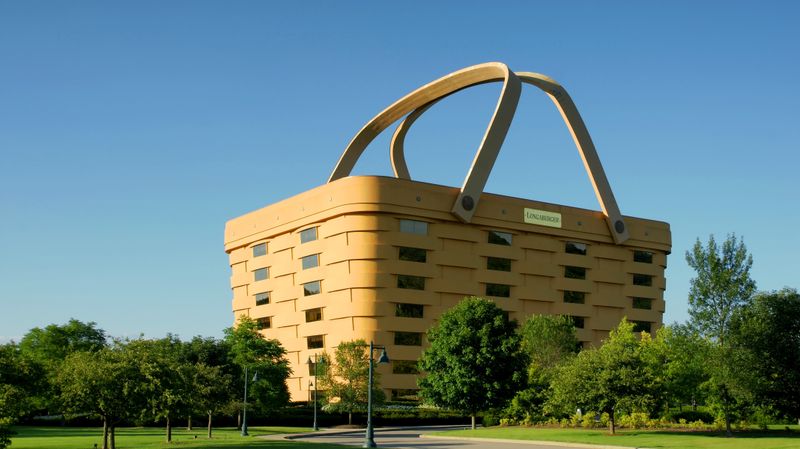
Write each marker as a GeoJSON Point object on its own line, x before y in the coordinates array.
{"type": "Point", "coordinates": [464, 206]}
{"type": "Point", "coordinates": [577, 128]}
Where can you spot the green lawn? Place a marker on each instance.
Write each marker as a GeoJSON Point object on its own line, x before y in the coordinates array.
{"type": "Point", "coordinates": [147, 438]}
{"type": "Point", "coordinates": [642, 438]}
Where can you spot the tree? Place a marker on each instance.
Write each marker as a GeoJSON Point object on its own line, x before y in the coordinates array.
{"type": "Point", "coordinates": [213, 375]}
{"type": "Point", "coordinates": [721, 288]}
{"type": "Point", "coordinates": [549, 341]}
{"type": "Point", "coordinates": [20, 379]}
{"type": "Point", "coordinates": [107, 382]}
{"type": "Point", "coordinates": [616, 377]}
{"type": "Point", "coordinates": [49, 347]}
{"type": "Point", "coordinates": [211, 390]}
{"type": "Point", "coordinates": [168, 378]}
{"type": "Point", "coordinates": [474, 362]}
{"type": "Point", "coordinates": [250, 350]}
{"type": "Point", "coordinates": [345, 379]}
{"type": "Point", "coordinates": [770, 330]}
{"type": "Point", "coordinates": [685, 356]}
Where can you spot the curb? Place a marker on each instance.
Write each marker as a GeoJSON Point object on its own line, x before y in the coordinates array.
{"type": "Point", "coordinates": [533, 442]}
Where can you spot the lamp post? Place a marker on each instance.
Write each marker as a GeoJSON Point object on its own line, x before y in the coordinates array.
{"type": "Point", "coordinates": [369, 440]}
{"type": "Point", "coordinates": [316, 363]}
{"type": "Point", "coordinates": [244, 407]}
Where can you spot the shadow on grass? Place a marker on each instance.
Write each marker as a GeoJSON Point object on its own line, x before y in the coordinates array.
{"type": "Point", "coordinates": [740, 435]}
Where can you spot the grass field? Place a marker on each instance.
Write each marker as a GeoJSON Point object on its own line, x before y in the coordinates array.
{"type": "Point", "coordinates": [147, 438]}
{"type": "Point", "coordinates": [643, 438]}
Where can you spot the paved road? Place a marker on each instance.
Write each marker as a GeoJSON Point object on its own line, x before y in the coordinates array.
{"type": "Point", "coordinates": [409, 437]}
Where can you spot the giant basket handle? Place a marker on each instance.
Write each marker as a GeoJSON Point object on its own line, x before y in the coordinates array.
{"type": "Point", "coordinates": [467, 200]}
{"type": "Point", "coordinates": [577, 128]}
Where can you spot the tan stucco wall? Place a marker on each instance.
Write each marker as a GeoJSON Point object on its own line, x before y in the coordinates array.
{"type": "Point", "coordinates": [358, 239]}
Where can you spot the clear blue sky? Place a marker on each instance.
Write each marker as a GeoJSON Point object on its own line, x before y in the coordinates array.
{"type": "Point", "coordinates": [131, 131]}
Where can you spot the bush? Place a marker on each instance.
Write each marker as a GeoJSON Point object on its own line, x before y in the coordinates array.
{"type": "Point", "coordinates": [636, 420]}
{"type": "Point", "coordinates": [490, 420]}
{"type": "Point", "coordinates": [691, 416]}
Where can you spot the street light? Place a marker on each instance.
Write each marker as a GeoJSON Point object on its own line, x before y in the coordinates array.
{"type": "Point", "coordinates": [244, 408]}
{"type": "Point", "coordinates": [316, 363]}
{"type": "Point", "coordinates": [369, 440]}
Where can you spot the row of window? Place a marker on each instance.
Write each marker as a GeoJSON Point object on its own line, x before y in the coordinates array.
{"type": "Point", "coordinates": [573, 297]}
{"type": "Point", "coordinates": [418, 283]}
{"type": "Point", "coordinates": [415, 339]}
{"type": "Point", "coordinates": [421, 227]}
{"type": "Point", "coordinates": [400, 338]}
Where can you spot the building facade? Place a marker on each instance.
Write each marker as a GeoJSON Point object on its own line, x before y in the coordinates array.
{"type": "Point", "coordinates": [381, 259]}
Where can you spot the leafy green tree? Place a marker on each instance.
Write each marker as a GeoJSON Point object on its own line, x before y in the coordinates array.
{"type": "Point", "coordinates": [549, 341]}
{"type": "Point", "coordinates": [474, 361]}
{"type": "Point", "coordinates": [684, 357]}
{"type": "Point", "coordinates": [168, 378]}
{"type": "Point", "coordinates": [345, 379]}
{"type": "Point", "coordinates": [107, 383]}
{"type": "Point", "coordinates": [721, 288]}
{"type": "Point", "coordinates": [20, 379]}
{"type": "Point", "coordinates": [616, 377]}
{"type": "Point", "coordinates": [213, 377]}
{"type": "Point", "coordinates": [770, 330]}
{"type": "Point", "coordinates": [722, 285]}
{"type": "Point", "coordinates": [49, 347]}
{"type": "Point", "coordinates": [249, 349]}
{"type": "Point", "coordinates": [211, 390]}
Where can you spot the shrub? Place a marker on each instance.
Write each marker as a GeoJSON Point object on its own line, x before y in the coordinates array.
{"type": "Point", "coordinates": [589, 420]}
{"type": "Point", "coordinates": [636, 420]}
{"type": "Point", "coordinates": [490, 420]}
{"type": "Point", "coordinates": [691, 416]}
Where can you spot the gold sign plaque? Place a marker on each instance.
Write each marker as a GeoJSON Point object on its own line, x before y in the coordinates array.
{"type": "Point", "coordinates": [543, 218]}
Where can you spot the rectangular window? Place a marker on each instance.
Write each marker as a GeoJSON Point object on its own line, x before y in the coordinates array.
{"type": "Point", "coordinates": [643, 279]}
{"type": "Point", "coordinates": [260, 250]}
{"type": "Point", "coordinates": [311, 288]}
{"type": "Point", "coordinates": [574, 297]}
{"type": "Point", "coordinates": [308, 235]}
{"type": "Point", "coordinates": [500, 238]}
{"type": "Point", "coordinates": [410, 282]}
{"type": "Point", "coordinates": [643, 256]}
{"type": "Point", "coordinates": [404, 367]}
{"type": "Point", "coordinates": [413, 254]}
{"type": "Point", "coordinates": [578, 321]}
{"type": "Point", "coordinates": [263, 323]}
{"type": "Point", "coordinates": [408, 338]}
{"type": "Point", "coordinates": [642, 303]}
{"type": "Point", "coordinates": [501, 290]}
{"type": "Point", "coordinates": [498, 263]}
{"type": "Point", "coordinates": [315, 341]}
{"type": "Point", "coordinates": [262, 298]}
{"type": "Point", "coordinates": [408, 310]}
{"type": "Point", "coordinates": [575, 248]}
{"type": "Point", "coordinates": [575, 272]}
{"type": "Point", "coordinates": [310, 261]}
{"type": "Point", "coordinates": [414, 227]}
{"type": "Point", "coordinates": [405, 395]}
{"type": "Point", "coordinates": [261, 274]}
{"type": "Point", "coordinates": [313, 315]}
{"type": "Point", "coordinates": [642, 326]}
